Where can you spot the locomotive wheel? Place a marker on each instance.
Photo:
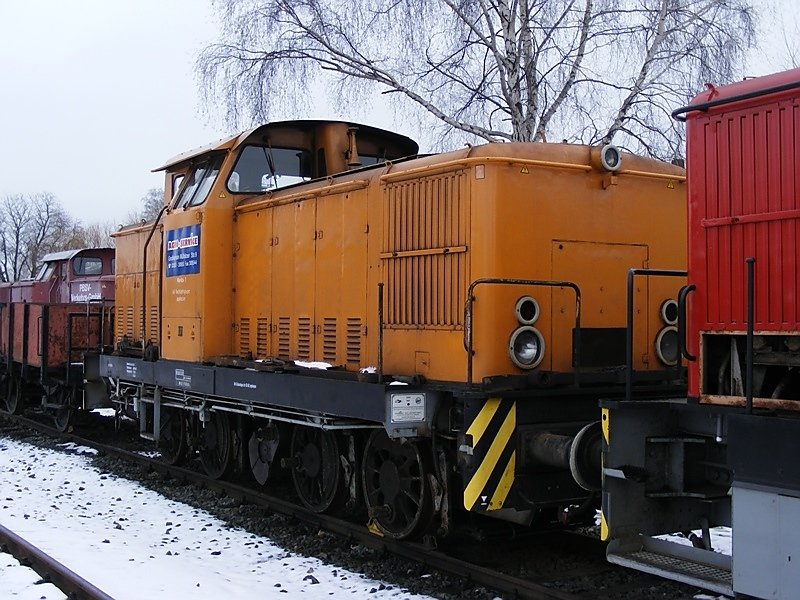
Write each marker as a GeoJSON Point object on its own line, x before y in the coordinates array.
{"type": "Point", "coordinates": [172, 437]}
{"type": "Point", "coordinates": [261, 449]}
{"type": "Point", "coordinates": [62, 418]}
{"type": "Point", "coordinates": [15, 396]}
{"type": "Point", "coordinates": [216, 446]}
{"type": "Point", "coordinates": [317, 471]}
{"type": "Point", "coordinates": [396, 489]}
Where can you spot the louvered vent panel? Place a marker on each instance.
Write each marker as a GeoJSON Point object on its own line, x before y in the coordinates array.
{"type": "Point", "coordinates": [284, 331]}
{"type": "Point", "coordinates": [425, 242]}
{"type": "Point", "coordinates": [140, 324]}
{"type": "Point", "coordinates": [354, 341]}
{"type": "Point", "coordinates": [304, 338]}
{"type": "Point", "coordinates": [262, 338]}
{"type": "Point", "coordinates": [153, 333]}
{"type": "Point", "coordinates": [244, 337]}
{"type": "Point", "coordinates": [329, 339]}
{"type": "Point", "coordinates": [129, 322]}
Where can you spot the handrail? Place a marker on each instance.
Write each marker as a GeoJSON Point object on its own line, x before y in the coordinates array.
{"type": "Point", "coordinates": [528, 282]}
{"type": "Point", "coordinates": [629, 325]}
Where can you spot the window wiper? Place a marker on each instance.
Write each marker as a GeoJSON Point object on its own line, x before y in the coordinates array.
{"type": "Point", "coordinates": [271, 165]}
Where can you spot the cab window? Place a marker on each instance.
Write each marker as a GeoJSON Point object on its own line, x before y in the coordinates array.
{"type": "Point", "coordinates": [199, 182]}
{"type": "Point", "coordinates": [262, 168]}
{"type": "Point", "coordinates": [87, 265]}
{"type": "Point", "coordinates": [46, 271]}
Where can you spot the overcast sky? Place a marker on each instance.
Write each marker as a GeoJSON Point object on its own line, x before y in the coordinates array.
{"type": "Point", "coordinates": [96, 93]}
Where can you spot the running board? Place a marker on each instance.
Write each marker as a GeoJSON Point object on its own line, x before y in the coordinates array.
{"type": "Point", "coordinates": [701, 568]}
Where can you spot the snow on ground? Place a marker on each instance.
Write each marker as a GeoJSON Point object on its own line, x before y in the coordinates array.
{"type": "Point", "coordinates": [721, 539]}
{"type": "Point", "coordinates": [23, 583]}
{"type": "Point", "coordinates": [132, 543]}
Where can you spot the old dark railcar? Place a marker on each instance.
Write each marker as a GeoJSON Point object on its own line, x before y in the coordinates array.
{"type": "Point", "coordinates": [48, 324]}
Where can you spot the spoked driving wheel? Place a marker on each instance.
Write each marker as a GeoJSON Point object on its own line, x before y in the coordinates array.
{"type": "Point", "coordinates": [172, 437]}
{"type": "Point", "coordinates": [396, 489]}
{"type": "Point", "coordinates": [15, 395]}
{"type": "Point", "coordinates": [216, 446]}
{"type": "Point", "coordinates": [317, 469]}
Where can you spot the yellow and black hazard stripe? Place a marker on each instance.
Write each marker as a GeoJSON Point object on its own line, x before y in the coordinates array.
{"type": "Point", "coordinates": [493, 432]}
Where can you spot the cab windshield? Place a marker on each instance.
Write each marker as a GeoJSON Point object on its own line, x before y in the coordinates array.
{"type": "Point", "coordinates": [198, 183]}
{"type": "Point", "coordinates": [45, 271]}
{"type": "Point", "coordinates": [262, 168]}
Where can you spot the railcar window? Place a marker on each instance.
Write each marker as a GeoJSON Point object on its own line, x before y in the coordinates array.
{"type": "Point", "coordinates": [45, 272]}
{"type": "Point", "coordinates": [367, 160]}
{"type": "Point", "coordinates": [113, 265]}
{"type": "Point", "coordinates": [86, 265]}
{"type": "Point", "coordinates": [201, 178]}
{"type": "Point", "coordinates": [177, 180]}
{"type": "Point", "coordinates": [262, 168]}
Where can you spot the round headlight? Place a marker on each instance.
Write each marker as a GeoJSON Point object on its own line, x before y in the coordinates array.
{"type": "Point", "coordinates": [669, 311]}
{"type": "Point", "coordinates": [610, 157]}
{"type": "Point", "coordinates": [667, 346]}
{"type": "Point", "coordinates": [527, 310]}
{"type": "Point", "coordinates": [526, 347]}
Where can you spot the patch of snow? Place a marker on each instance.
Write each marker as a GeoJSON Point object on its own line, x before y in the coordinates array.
{"type": "Point", "coordinates": [721, 539]}
{"type": "Point", "coordinates": [78, 449]}
{"type": "Point", "coordinates": [133, 543]}
{"type": "Point", "coordinates": [398, 383]}
{"type": "Point", "coordinates": [313, 365]}
{"type": "Point", "coordinates": [368, 370]}
{"type": "Point", "coordinates": [104, 412]}
{"type": "Point", "coordinates": [24, 583]}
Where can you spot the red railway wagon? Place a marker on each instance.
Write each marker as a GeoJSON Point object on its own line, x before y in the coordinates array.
{"type": "Point", "coordinates": [48, 324]}
{"type": "Point", "coordinates": [725, 454]}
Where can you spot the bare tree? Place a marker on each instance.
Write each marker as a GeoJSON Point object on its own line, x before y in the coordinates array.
{"type": "Point", "coordinates": [152, 202]}
{"type": "Point", "coordinates": [97, 235]}
{"type": "Point", "coordinates": [580, 70]}
{"type": "Point", "coordinates": [49, 228]}
{"type": "Point", "coordinates": [15, 212]}
{"type": "Point", "coordinates": [31, 227]}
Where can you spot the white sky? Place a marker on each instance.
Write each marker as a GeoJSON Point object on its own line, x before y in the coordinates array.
{"type": "Point", "coordinates": [133, 543]}
{"type": "Point", "coordinates": [96, 93]}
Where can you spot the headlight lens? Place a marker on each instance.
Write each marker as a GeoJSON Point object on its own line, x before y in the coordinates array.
{"type": "Point", "coordinates": [527, 310]}
{"type": "Point", "coordinates": [669, 311]}
{"type": "Point", "coordinates": [667, 346]}
{"type": "Point", "coordinates": [526, 347]}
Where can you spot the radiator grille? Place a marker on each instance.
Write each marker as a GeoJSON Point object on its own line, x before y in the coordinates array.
{"type": "Point", "coordinates": [329, 339]}
{"type": "Point", "coordinates": [244, 337]}
{"type": "Point", "coordinates": [425, 238]}
{"type": "Point", "coordinates": [262, 338]}
{"type": "Point", "coordinates": [284, 330]}
{"type": "Point", "coordinates": [354, 341]}
{"type": "Point", "coordinates": [303, 338]}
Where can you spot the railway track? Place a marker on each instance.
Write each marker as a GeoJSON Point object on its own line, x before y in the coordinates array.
{"type": "Point", "coordinates": [446, 559]}
{"type": "Point", "coordinates": [48, 568]}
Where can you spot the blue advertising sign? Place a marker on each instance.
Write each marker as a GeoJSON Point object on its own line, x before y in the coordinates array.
{"type": "Point", "coordinates": [183, 250]}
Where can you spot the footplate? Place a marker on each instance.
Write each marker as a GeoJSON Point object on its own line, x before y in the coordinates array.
{"type": "Point", "coordinates": [701, 568]}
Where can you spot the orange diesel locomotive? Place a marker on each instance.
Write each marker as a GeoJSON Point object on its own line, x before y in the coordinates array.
{"type": "Point", "coordinates": [420, 334]}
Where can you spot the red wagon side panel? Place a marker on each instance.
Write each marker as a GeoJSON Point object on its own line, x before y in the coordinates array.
{"type": "Point", "coordinates": [744, 201]}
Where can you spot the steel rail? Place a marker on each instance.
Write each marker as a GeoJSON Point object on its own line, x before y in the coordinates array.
{"type": "Point", "coordinates": [435, 559]}
{"type": "Point", "coordinates": [48, 568]}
